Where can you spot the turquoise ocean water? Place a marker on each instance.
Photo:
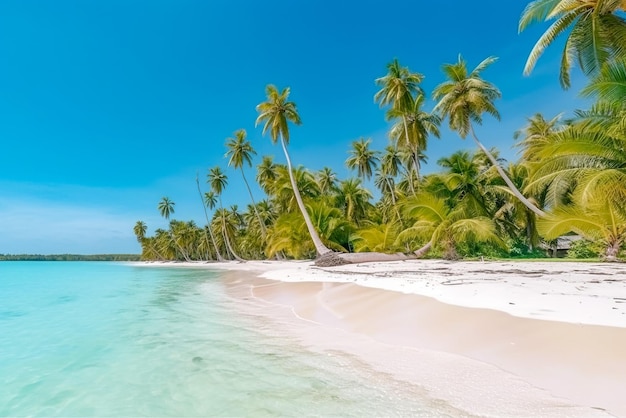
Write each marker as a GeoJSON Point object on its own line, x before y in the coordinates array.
{"type": "Point", "coordinates": [111, 339]}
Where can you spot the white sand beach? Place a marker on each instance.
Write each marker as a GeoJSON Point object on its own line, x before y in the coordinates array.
{"type": "Point", "coordinates": [491, 338]}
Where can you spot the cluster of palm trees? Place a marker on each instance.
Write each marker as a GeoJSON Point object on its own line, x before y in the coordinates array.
{"type": "Point", "coordinates": [571, 177]}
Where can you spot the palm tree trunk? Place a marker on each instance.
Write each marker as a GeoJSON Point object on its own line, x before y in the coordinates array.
{"type": "Point", "coordinates": [319, 245]}
{"type": "Point", "coordinates": [422, 251]}
{"type": "Point", "coordinates": [206, 215]}
{"type": "Point", "coordinates": [408, 145]}
{"type": "Point", "coordinates": [506, 178]}
{"type": "Point", "coordinates": [261, 223]}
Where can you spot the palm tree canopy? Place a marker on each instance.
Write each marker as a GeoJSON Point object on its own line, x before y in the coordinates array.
{"type": "Point", "coordinates": [166, 207]}
{"type": "Point", "coordinates": [217, 180]}
{"type": "Point", "coordinates": [597, 35]}
{"type": "Point", "coordinates": [610, 84]}
{"type": "Point", "coordinates": [362, 158]}
{"type": "Point", "coordinates": [239, 150]}
{"type": "Point", "coordinates": [466, 96]}
{"type": "Point", "coordinates": [398, 86]}
{"type": "Point", "coordinates": [276, 112]}
{"type": "Point", "coordinates": [414, 125]}
{"type": "Point", "coordinates": [210, 199]}
{"type": "Point", "coordinates": [140, 229]}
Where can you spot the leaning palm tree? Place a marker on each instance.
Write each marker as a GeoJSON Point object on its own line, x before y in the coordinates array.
{"type": "Point", "coordinates": [463, 99]}
{"type": "Point", "coordinates": [218, 181]}
{"type": "Point", "coordinates": [240, 152]}
{"type": "Point", "coordinates": [362, 158]}
{"type": "Point", "coordinates": [166, 207]}
{"type": "Point", "coordinates": [597, 35]}
{"type": "Point", "coordinates": [276, 113]}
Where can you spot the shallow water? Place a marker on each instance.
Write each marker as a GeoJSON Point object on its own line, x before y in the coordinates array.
{"type": "Point", "coordinates": [110, 339]}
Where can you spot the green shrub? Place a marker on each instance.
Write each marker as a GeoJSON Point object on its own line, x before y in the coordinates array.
{"type": "Point", "coordinates": [584, 249]}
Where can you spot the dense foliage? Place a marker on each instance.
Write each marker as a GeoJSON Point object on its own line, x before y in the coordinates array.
{"type": "Point", "coordinates": [570, 179]}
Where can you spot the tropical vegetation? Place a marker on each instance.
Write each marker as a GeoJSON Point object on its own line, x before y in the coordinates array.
{"type": "Point", "coordinates": [570, 177]}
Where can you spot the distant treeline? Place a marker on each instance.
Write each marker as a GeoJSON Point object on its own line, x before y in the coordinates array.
{"type": "Point", "coordinates": [69, 257]}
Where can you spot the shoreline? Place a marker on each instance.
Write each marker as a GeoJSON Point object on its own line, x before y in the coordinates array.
{"type": "Point", "coordinates": [556, 326]}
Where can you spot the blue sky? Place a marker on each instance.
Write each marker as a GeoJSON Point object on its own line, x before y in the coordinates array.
{"type": "Point", "coordinates": [107, 106]}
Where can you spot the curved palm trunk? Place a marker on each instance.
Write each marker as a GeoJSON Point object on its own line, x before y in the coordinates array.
{"type": "Point", "coordinates": [261, 223]}
{"type": "Point", "coordinates": [506, 178]}
{"type": "Point", "coordinates": [425, 249]}
{"type": "Point", "coordinates": [182, 251]}
{"type": "Point", "coordinates": [226, 239]}
{"type": "Point", "coordinates": [206, 215]}
{"type": "Point", "coordinates": [319, 245]}
{"type": "Point", "coordinates": [153, 248]}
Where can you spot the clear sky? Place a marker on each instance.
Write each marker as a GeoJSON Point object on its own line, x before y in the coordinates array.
{"type": "Point", "coordinates": [107, 106]}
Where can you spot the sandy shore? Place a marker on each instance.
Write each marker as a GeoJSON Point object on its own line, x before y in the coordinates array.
{"type": "Point", "coordinates": [492, 338]}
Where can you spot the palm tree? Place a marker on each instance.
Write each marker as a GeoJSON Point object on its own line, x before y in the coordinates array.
{"type": "Point", "coordinates": [398, 88]}
{"type": "Point", "coordinates": [463, 99]}
{"type": "Point", "coordinates": [326, 180]}
{"type": "Point", "coordinates": [354, 199]}
{"type": "Point", "coordinates": [239, 152]}
{"type": "Point", "coordinates": [378, 237]}
{"type": "Point", "coordinates": [266, 174]}
{"type": "Point", "coordinates": [140, 229]}
{"type": "Point", "coordinates": [440, 224]}
{"type": "Point", "coordinates": [535, 135]}
{"type": "Point", "coordinates": [206, 215]}
{"type": "Point", "coordinates": [609, 87]}
{"type": "Point", "coordinates": [276, 113]}
{"type": "Point", "coordinates": [218, 181]}
{"type": "Point", "coordinates": [166, 207]}
{"type": "Point", "coordinates": [412, 132]}
{"type": "Point", "coordinates": [583, 163]}
{"type": "Point", "coordinates": [597, 35]}
{"type": "Point", "coordinates": [601, 222]}
{"type": "Point", "coordinates": [362, 158]}
{"type": "Point", "coordinates": [390, 164]}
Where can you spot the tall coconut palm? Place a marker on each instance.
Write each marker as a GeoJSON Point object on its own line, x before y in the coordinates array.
{"type": "Point", "coordinates": [398, 88]}
{"type": "Point", "coordinates": [208, 222]}
{"type": "Point", "coordinates": [362, 158]}
{"type": "Point", "coordinates": [166, 207]}
{"type": "Point", "coordinates": [218, 181]}
{"type": "Point", "coordinates": [463, 99]}
{"type": "Point", "coordinates": [240, 152]}
{"type": "Point", "coordinates": [597, 35]}
{"type": "Point", "coordinates": [275, 114]}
